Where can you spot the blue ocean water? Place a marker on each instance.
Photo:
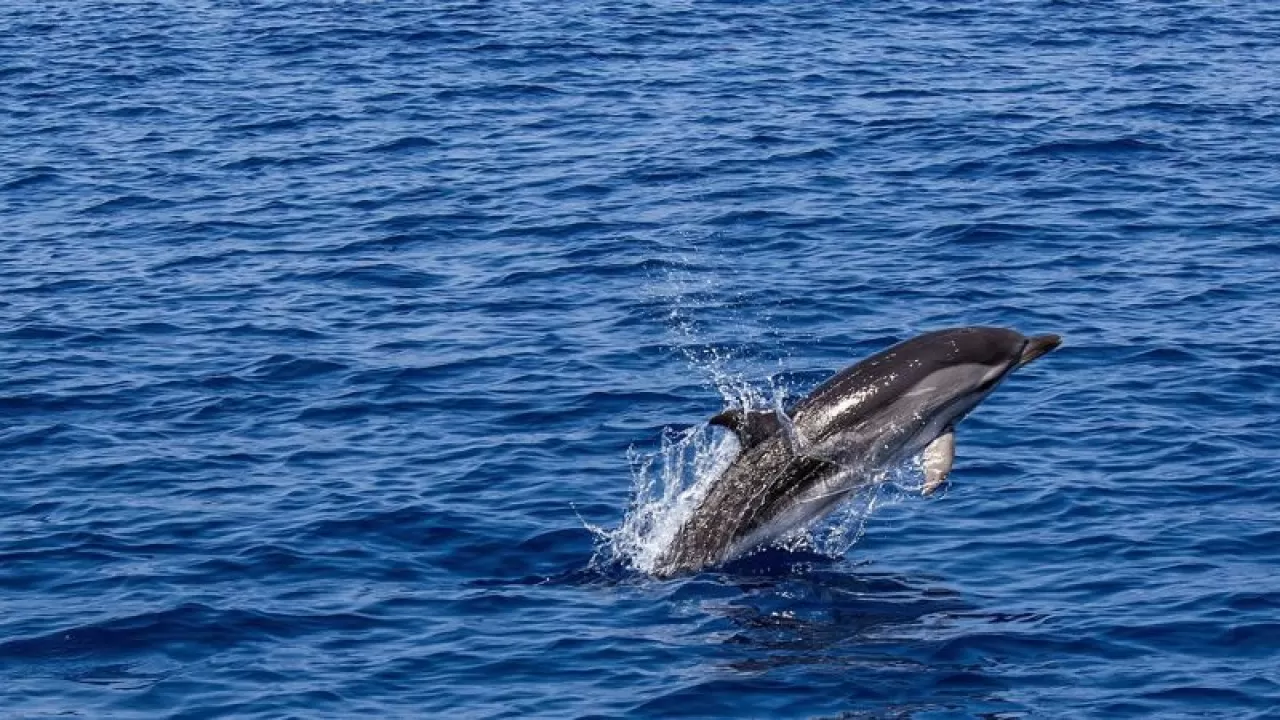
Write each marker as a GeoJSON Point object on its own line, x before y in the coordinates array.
{"type": "Point", "coordinates": [331, 333]}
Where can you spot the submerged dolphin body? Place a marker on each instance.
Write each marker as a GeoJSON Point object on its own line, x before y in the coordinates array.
{"type": "Point", "coordinates": [796, 467]}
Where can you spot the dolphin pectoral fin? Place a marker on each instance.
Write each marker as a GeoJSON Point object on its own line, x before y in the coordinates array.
{"type": "Point", "coordinates": [937, 461]}
{"type": "Point", "coordinates": [751, 426]}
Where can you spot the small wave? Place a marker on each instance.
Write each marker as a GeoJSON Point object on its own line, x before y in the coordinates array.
{"type": "Point", "coordinates": [897, 93]}
{"type": "Point", "coordinates": [982, 233]}
{"type": "Point", "coordinates": [188, 623]}
{"type": "Point", "coordinates": [1088, 147]}
{"type": "Point", "coordinates": [32, 178]}
{"type": "Point", "coordinates": [129, 202]}
{"type": "Point", "coordinates": [387, 276]}
{"type": "Point", "coordinates": [498, 92]}
{"type": "Point", "coordinates": [258, 162]}
{"type": "Point", "coordinates": [285, 367]}
{"type": "Point", "coordinates": [404, 145]}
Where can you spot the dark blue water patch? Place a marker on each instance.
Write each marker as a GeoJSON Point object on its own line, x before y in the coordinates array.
{"type": "Point", "coordinates": [1102, 148]}
{"type": "Point", "coordinates": [290, 368]}
{"type": "Point", "coordinates": [34, 177]}
{"type": "Point", "coordinates": [185, 632]}
{"type": "Point", "coordinates": [405, 145]}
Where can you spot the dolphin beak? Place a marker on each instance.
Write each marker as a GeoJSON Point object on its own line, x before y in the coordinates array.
{"type": "Point", "coordinates": [1037, 346]}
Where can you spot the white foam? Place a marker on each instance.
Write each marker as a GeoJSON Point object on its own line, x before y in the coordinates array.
{"type": "Point", "coordinates": [669, 483]}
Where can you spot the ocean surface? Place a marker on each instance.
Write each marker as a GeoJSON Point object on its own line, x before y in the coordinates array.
{"type": "Point", "coordinates": [342, 344]}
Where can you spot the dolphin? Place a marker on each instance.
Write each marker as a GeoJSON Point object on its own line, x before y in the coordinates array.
{"type": "Point", "coordinates": [796, 467]}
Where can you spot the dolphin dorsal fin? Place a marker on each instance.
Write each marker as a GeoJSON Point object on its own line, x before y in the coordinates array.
{"type": "Point", "coordinates": [751, 426]}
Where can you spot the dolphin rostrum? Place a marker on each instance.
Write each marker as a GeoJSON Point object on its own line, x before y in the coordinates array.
{"type": "Point", "coordinates": [795, 467]}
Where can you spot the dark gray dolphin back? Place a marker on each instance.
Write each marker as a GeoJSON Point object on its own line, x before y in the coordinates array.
{"type": "Point", "coordinates": [887, 375]}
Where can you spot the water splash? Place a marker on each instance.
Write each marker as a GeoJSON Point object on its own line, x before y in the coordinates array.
{"type": "Point", "coordinates": [668, 486]}
{"type": "Point", "coordinates": [836, 534]}
{"type": "Point", "coordinates": [669, 483]}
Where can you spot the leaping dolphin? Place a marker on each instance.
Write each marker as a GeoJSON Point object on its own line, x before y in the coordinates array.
{"type": "Point", "coordinates": [796, 467]}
